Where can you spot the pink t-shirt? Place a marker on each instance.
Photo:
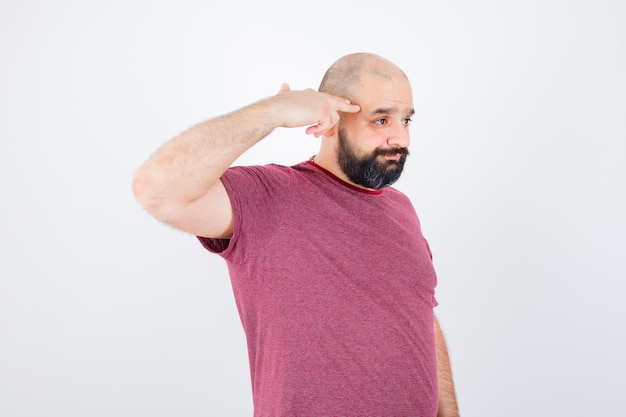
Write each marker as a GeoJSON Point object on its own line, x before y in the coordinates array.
{"type": "Point", "coordinates": [335, 290]}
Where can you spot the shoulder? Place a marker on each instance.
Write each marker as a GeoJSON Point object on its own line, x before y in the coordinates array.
{"type": "Point", "coordinates": [252, 176]}
{"type": "Point", "coordinates": [262, 185]}
{"type": "Point", "coordinates": [397, 195]}
{"type": "Point", "coordinates": [258, 170]}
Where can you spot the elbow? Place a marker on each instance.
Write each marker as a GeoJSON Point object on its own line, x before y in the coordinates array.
{"type": "Point", "coordinates": [144, 191]}
{"type": "Point", "coordinates": [153, 197]}
{"type": "Point", "coordinates": [139, 186]}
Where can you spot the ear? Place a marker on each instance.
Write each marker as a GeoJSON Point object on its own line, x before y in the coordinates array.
{"type": "Point", "coordinates": [329, 133]}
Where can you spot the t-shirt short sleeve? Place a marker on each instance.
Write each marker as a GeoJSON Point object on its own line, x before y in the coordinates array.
{"type": "Point", "coordinates": [256, 195]}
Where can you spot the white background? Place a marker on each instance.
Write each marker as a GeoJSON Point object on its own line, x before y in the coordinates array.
{"type": "Point", "coordinates": [518, 173]}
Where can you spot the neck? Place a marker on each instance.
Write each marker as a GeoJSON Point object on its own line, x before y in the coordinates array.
{"type": "Point", "coordinates": [330, 164]}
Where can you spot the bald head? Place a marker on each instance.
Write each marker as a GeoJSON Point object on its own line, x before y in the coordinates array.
{"type": "Point", "coordinates": [346, 72]}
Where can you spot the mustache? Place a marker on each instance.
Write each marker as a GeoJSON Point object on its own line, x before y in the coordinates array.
{"type": "Point", "coordinates": [391, 151]}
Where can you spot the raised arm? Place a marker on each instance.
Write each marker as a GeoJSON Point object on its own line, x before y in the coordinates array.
{"type": "Point", "coordinates": [447, 398]}
{"type": "Point", "coordinates": [180, 184]}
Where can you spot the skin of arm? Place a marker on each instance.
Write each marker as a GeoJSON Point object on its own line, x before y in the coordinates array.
{"type": "Point", "coordinates": [180, 184]}
{"type": "Point", "coordinates": [447, 398]}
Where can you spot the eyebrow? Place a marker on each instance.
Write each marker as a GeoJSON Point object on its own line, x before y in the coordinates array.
{"type": "Point", "coordinates": [390, 110]}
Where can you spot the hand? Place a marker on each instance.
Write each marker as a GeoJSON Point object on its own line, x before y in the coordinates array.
{"type": "Point", "coordinates": [318, 111]}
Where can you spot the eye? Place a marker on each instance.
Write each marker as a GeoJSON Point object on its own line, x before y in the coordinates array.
{"type": "Point", "coordinates": [380, 122]}
{"type": "Point", "coordinates": [407, 121]}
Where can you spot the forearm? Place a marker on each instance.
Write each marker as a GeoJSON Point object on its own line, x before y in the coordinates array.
{"type": "Point", "coordinates": [447, 397]}
{"type": "Point", "coordinates": [191, 163]}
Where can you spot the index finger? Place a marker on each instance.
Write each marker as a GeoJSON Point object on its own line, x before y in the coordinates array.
{"type": "Point", "coordinates": [347, 107]}
{"type": "Point", "coordinates": [344, 105]}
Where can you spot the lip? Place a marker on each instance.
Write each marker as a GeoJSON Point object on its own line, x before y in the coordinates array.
{"type": "Point", "coordinates": [393, 157]}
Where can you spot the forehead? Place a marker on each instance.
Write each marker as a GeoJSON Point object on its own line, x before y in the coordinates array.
{"type": "Point", "coordinates": [374, 91]}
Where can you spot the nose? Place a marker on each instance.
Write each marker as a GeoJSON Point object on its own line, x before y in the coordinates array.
{"type": "Point", "coordinates": [399, 136]}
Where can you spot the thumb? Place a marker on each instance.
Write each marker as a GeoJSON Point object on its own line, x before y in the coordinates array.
{"type": "Point", "coordinates": [284, 87]}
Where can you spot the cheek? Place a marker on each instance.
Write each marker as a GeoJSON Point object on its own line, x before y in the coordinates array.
{"type": "Point", "coordinates": [374, 138]}
{"type": "Point", "coordinates": [366, 141]}
{"type": "Point", "coordinates": [363, 137]}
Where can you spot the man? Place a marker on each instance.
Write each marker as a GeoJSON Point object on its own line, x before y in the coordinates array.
{"type": "Point", "coordinates": [332, 277]}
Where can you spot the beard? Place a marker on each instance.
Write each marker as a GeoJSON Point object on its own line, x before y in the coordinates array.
{"type": "Point", "coordinates": [370, 171]}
